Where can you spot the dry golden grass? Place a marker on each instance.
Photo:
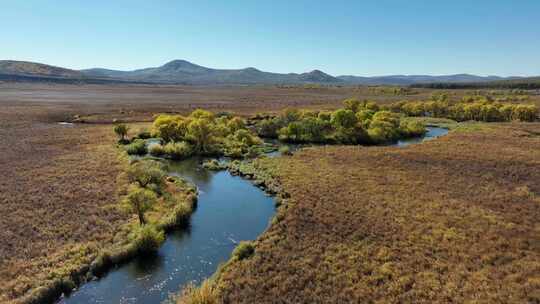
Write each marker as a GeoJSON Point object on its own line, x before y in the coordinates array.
{"type": "Point", "coordinates": [57, 184]}
{"type": "Point", "coordinates": [455, 220]}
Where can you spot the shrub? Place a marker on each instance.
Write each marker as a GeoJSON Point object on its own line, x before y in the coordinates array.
{"type": "Point", "coordinates": [199, 133]}
{"type": "Point", "coordinates": [384, 127]}
{"type": "Point", "coordinates": [244, 250]}
{"type": "Point", "coordinates": [141, 200]}
{"type": "Point", "coordinates": [179, 217]}
{"type": "Point", "coordinates": [145, 173]}
{"type": "Point", "coordinates": [285, 150]}
{"type": "Point", "coordinates": [235, 124]}
{"type": "Point", "coordinates": [325, 116]}
{"type": "Point", "coordinates": [525, 112]}
{"type": "Point", "coordinates": [170, 127]}
{"type": "Point", "coordinates": [344, 119]}
{"type": "Point", "coordinates": [156, 150]}
{"type": "Point", "coordinates": [213, 165]}
{"type": "Point", "coordinates": [121, 130]}
{"type": "Point", "coordinates": [479, 108]}
{"type": "Point", "coordinates": [148, 239]}
{"type": "Point", "coordinates": [178, 150]}
{"type": "Point", "coordinates": [269, 127]}
{"type": "Point", "coordinates": [144, 134]}
{"type": "Point", "coordinates": [137, 147]}
{"type": "Point", "coordinates": [352, 104]}
{"type": "Point", "coordinates": [412, 128]}
{"type": "Point", "coordinates": [207, 293]}
{"type": "Point", "coordinates": [245, 137]}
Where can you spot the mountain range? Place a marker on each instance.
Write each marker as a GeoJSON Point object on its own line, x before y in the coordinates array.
{"type": "Point", "coordinates": [185, 72]}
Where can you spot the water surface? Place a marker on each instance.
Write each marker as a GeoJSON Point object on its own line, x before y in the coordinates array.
{"type": "Point", "coordinates": [230, 209]}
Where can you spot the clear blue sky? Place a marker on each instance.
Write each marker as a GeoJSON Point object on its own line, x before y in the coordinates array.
{"type": "Point", "coordinates": [380, 37]}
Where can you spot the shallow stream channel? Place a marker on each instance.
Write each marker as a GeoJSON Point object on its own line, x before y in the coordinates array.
{"type": "Point", "coordinates": [229, 209]}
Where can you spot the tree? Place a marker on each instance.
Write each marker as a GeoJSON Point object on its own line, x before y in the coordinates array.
{"type": "Point", "coordinates": [145, 173]}
{"type": "Point", "coordinates": [199, 132]}
{"type": "Point", "coordinates": [141, 200]}
{"type": "Point", "coordinates": [170, 127]}
{"type": "Point", "coordinates": [121, 130]}
{"type": "Point", "coordinates": [352, 104]}
{"type": "Point", "coordinates": [344, 119]}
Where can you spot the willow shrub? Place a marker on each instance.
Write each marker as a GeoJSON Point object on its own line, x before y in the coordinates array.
{"type": "Point", "coordinates": [359, 122]}
{"type": "Point", "coordinates": [178, 150]}
{"type": "Point", "coordinates": [136, 147]}
{"type": "Point", "coordinates": [203, 133]}
{"type": "Point", "coordinates": [244, 250]}
{"type": "Point", "coordinates": [478, 109]}
{"type": "Point", "coordinates": [148, 239]}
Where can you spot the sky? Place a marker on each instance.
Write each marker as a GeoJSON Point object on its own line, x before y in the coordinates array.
{"type": "Point", "coordinates": [365, 38]}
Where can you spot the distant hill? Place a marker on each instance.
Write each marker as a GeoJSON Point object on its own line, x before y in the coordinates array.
{"type": "Point", "coordinates": [24, 68]}
{"type": "Point", "coordinates": [181, 71]}
{"type": "Point", "coordinates": [185, 72]}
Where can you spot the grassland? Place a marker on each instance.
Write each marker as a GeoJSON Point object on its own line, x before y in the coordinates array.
{"type": "Point", "coordinates": [57, 182]}
{"type": "Point", "coordinates": [460, 210]}
{"type": "Point", "coordinates": [453, 220]}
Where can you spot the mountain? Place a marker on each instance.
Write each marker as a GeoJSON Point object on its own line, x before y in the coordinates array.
{"type": "Point", "coordinates": [185, 72]}
{"type": "Point", "coordinates": [24, 68]}
{"type": "Point", "coordinates": [181, 71]}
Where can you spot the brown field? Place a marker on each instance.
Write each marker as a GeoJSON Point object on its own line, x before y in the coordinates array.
{"type": "Point", "coordinates": [455, 220]}
{"type": "Point", "coordinates": [58, 182]}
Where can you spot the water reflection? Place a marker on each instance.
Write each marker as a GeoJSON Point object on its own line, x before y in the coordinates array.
{"type": "Point", "coordinates": [432, 133]}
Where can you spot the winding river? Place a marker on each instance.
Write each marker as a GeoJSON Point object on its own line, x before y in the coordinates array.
{"type": "Point", "coordinates": [230, 209]}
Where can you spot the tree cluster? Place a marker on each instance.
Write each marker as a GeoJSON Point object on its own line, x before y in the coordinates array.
{"type": "Point", "coordinates": [358, 122]}
{"type": "Point", "coordinates": [202, 133]}
{"type": "Point", "coordinates": [479, 108]}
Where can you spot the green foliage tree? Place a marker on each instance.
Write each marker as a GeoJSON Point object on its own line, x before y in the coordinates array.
{"type": "Point", "coordinates": [199, 133]}
{"type": "Point", "coordinates": [384, 127]}
{"type": "Point", "coordinates": [146, 173]}
{"type": "Point", "coordinates": [141, 200]}
{"type": "Point", "coordinates": [352, 104]}
{"type": "Point", "coordinates": [343, 118]}
{"type": "Point", "coordinates": [121, 131]}
{"type": "Point", "coordinates": [170, 127]}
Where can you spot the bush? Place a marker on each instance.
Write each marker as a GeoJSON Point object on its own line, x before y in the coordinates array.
{"type": "Point", "coordinates": [269, 127]}
{"type": "Point", "coordinates": [207, 293]}
{"type": "Point", "coordinates": [156, 150]}
{"type": "Point", "coordinates": [178, 150]}
{"type": "Point", "coordinates": [412, 128]}
{"type": "Point", "coordinates": [146, 173]}
{"type": "Point", "coordinates": [285, 150]}
{"type": "Point", "coordinates": [213, 165]}
{"type": "Point", "coordinates": [137, 147]}
{"type": "Point", "coordinates": [478, 108]}
{"type": "Point", "coordinates": [344, 119]}
{"type": "Point", "coordinates": [148, 239]}
{"type": "Point", "coordinates": [144, 134]}
{"type": "Point", "coordinates": [121, 130]}
{"type": "Point", "coordinates": [384, 127]}
{"type": "Point", "coordinates": [525, 112]}
{"type": "Point", "coordinates": [179, 217]}
{"type": "Point", "coordinates": [139, 201]}
{"type": "Point", "coordinates": [244, 250]}
{"type": "Point", "coordinates": [170, 127]}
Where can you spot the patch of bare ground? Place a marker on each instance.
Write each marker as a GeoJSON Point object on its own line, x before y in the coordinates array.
{"type": "Point", "coordinates": [454, 220]}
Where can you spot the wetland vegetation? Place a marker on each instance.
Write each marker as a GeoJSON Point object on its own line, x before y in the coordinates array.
{"type": "Point", "coordinates": [136, 210]}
